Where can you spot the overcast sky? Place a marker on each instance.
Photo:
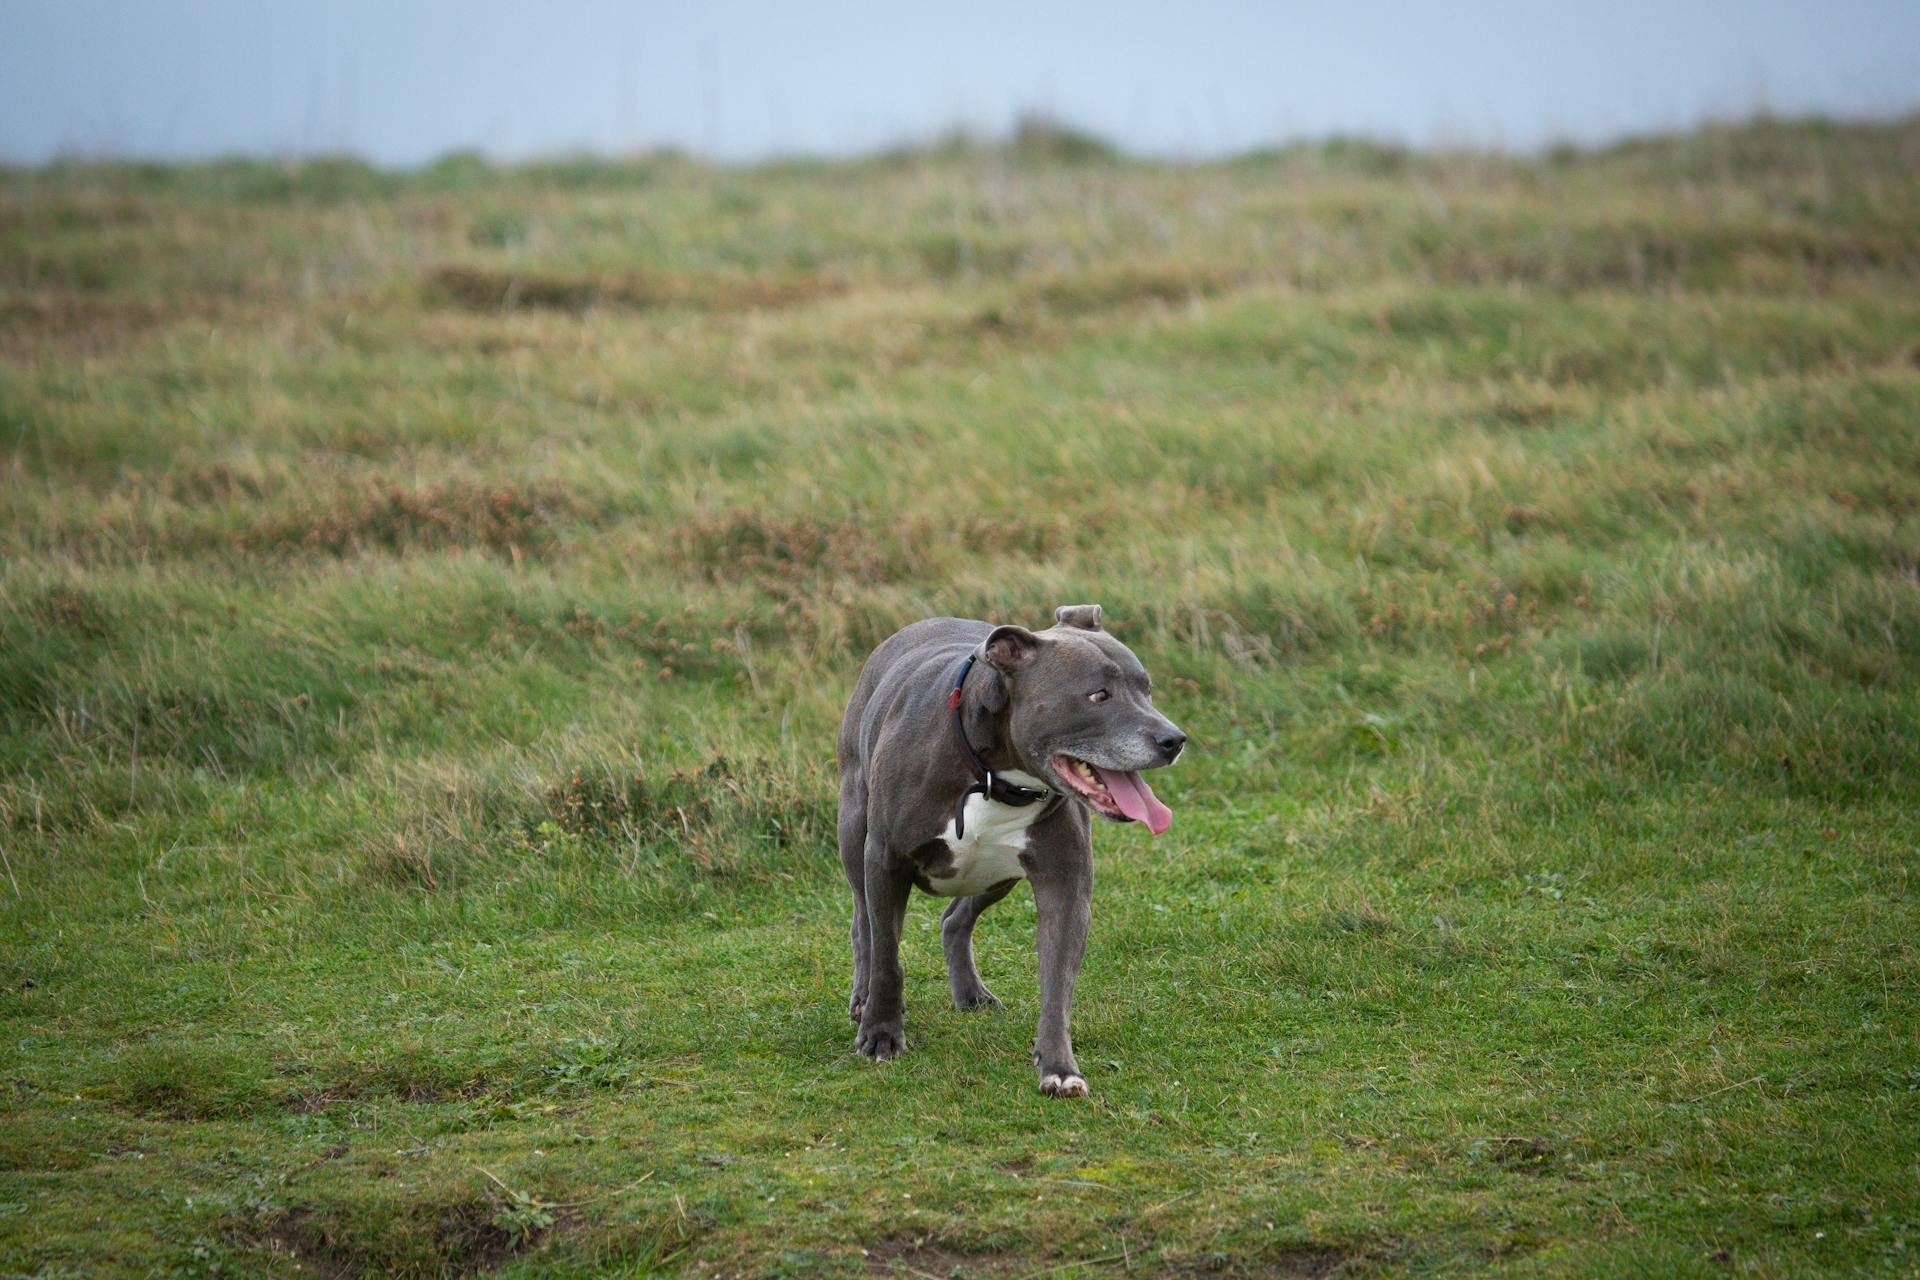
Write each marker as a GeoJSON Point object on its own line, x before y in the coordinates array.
{"type": "Point", "coordinates": [402, 82]}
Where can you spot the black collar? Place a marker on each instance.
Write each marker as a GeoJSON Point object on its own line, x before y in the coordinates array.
{"type": "Point", "coordinates": [996, 789]}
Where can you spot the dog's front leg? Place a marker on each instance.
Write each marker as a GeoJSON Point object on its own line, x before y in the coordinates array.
{"type": "Point", "coordinates": [956, 939]}
{"type": "Point", "coordinates": [883, 1021]}
{"type": "Point", "coordinates": [1063, 900]}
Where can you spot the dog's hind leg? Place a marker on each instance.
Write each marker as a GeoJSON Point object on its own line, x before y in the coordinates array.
{"type": "Point", "coordinates": [956, 938]}
{"type": "Point", "coordinates": [857, 1001]}
{"type": "Point", "coordinates": [853, 860]}
{"type": "Point", "coordinates": [882, 1032]}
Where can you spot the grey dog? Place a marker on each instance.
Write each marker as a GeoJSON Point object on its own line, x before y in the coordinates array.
{"type": "Point", "coordinates": [970, 757]}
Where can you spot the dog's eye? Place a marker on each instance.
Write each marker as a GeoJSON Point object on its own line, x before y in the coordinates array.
{"type": "Point", "coordinates": [1098, 695]}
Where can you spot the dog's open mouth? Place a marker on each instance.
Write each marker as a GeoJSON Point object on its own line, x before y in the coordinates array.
{"type": "Point", "coordinates": [1117, 793]}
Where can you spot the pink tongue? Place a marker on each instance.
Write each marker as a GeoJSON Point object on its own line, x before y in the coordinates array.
{"type": "Point", "coordinates": [1136, 799]}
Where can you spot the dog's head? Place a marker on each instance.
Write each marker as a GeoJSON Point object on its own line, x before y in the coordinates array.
{"type": "Point", "coordinates": [1081, 714]}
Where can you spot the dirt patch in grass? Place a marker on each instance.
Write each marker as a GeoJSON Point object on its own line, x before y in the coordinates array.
{"type": "Point", "coordinates": [1288, 1262]}
{"type": "Point", "coordinates": [1306, 1260]}
{"type": "Point", "coordinates": [926, 1257]}
{"type": "Point", "coordinates": [494, 289]}
{"type": "Point", "coordinates": [468, 1238]}
{"type": "Point", "coordinates": [296, 1235]}
{"type": "Point", "coordinates": [478, 1236]}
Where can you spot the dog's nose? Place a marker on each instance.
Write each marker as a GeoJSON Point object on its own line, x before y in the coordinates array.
{"type": "Point", "coordinates": [1170, 743]}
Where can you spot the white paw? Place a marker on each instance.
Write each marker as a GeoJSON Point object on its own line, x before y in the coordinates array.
{"type": "Point", "coordinates": [1064, 1086]}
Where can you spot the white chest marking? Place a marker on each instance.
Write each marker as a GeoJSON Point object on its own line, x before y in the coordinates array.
{"type": "Point", "coordinates": [990, 851]}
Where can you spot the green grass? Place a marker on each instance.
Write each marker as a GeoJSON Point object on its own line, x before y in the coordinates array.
{"type": "Point", "coordinates": [426, 601]}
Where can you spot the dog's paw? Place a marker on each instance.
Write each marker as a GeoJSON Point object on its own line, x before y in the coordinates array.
{"type": "Point", "coordinates": [887, 1040]}
{"type": "Point", "coordinates": [978, 998]}
{"type": "Point", "coordinates": [1063, 1086]}
{"type": "Point", "coordinates": [856, 1007]}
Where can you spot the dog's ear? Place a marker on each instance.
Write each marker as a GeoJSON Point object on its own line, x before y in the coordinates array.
{"type": "Point", "coordinates": [1007, 650]}
{"type": "Point", "coordinates": [1011, 648]}
{"type": "Point", "coordinates": [1084, 616]}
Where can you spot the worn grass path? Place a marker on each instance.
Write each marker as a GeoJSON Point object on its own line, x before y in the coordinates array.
{"type": "Point", "coordinates": [426, 602]}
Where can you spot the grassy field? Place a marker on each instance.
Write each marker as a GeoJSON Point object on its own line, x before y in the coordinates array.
{"type": "Point", "coordinates": [426, 602]}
